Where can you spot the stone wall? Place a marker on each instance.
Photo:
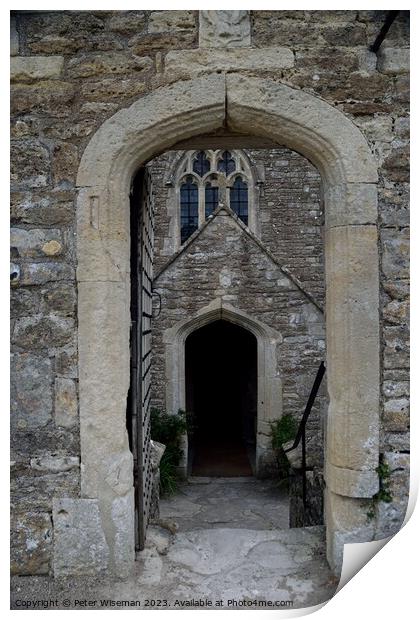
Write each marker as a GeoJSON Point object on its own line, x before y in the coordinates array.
{"type": "Point", "coordinates": [291, 215]}
{"type": "Point", "coordinates": [70, 72]}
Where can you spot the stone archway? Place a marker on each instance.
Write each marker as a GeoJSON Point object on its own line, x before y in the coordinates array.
{"type": "Point", "coordinates": [151, 125]}
{"type": "Point", "coordinates": [269, 383]}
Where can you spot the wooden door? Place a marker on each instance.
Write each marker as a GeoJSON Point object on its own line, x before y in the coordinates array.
{"type": "Point", "coordinates": [141, 341]}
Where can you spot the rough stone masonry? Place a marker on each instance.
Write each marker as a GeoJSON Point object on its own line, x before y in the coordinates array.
{"type": "Point", "coordinates": [71, 71]}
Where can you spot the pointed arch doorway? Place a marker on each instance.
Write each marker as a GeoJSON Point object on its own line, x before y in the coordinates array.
{"type": "Point", "coordinates": [216, 331]}
{"type": "Point", "coordinates": [221, 394]}
{"type": "Point", "coordinates": [156, 122]}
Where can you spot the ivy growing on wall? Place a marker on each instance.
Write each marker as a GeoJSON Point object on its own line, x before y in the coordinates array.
{"type": "Point", "coordinates": [384, 494]}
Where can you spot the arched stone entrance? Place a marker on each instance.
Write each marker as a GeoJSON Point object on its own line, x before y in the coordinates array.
{"type": "Point", "coordinates": [269, 386]}
{"type": "Point", "coordinates": [154, 123]}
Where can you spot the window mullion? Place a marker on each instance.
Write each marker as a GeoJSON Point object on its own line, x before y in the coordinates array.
{"type": "Point", "coordinates": [222, 190]}
{"type": "Point", "coordinates": [201, 205]}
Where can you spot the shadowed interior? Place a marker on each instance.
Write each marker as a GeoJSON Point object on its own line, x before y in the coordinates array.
{"type": "Point", "coordinates": [221, 391]}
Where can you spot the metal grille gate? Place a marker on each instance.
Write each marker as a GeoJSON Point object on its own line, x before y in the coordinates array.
{"type": "Point", "coordinates": [141, 340]}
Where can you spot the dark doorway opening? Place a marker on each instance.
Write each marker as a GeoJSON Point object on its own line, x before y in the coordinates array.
{"type": "Point", "coordinates": [221, 392]}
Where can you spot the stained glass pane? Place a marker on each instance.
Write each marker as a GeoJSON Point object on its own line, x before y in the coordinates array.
{"type": "Point", "coordinates": [212, 198]}
{"type": "Point", "coordinates": [239, 199]}
{"type": "Point", "coordinates": [226, 164]}
{"type": "Point", "coordinates": [189, 208]}
{"type": "Point", "coordinates": [201, 164]}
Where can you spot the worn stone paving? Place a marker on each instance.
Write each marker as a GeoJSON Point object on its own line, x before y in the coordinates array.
{"type": "Point", "coordinates": [216, 540]}
{"type": "Point", "coordinates": [228, 502]}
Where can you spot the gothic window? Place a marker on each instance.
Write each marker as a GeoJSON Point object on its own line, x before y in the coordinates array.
{"type": "Point", "coordinates": [189, 207]}
{"type": "Point", "coordinates": [201, 164]}
{"type": "Point", "coordinates": [238, 198]}
{"type": "Point", "coordinates": [226, 163]}
{"type": "Point", "coordinates": [207, 179]}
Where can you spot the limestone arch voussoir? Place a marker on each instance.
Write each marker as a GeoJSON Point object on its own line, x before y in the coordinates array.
{"type": "Point", "coordinates": [220, 310]}
{"type": "Point", "coordinates": [317, 130]}
{"type": "Point", "coordinates": [304, 123]}
{"type": "Point", "coordinates": [151, 125]}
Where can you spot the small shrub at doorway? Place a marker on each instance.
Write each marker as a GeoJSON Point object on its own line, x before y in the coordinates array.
{"type": "Point", "coordinates": [168, 478]}
{"type": "Point", "coordinates": [168, 429]}
{"type": "Point", "coordinates": [282, 431]}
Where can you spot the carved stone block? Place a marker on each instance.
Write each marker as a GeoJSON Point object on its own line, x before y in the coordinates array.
{"type": "Point", "coordinates": [224, 29]}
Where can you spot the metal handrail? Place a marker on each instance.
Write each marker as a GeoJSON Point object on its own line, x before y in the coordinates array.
{"type": "Point", "coordinates": [301, 432]}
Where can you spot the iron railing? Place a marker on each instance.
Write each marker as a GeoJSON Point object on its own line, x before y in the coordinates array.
{"type": "Point", "coordinates": [301, 432]}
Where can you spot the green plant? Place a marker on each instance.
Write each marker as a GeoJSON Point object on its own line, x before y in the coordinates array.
{"type": "Point", "coordinates": [168, 477]}
{"type": "Point", "coordinates": [282, 431]}
{"type": "Point", "coordinates": [168, 429]}
{"type": "Point", "coordinates": [384, 494]}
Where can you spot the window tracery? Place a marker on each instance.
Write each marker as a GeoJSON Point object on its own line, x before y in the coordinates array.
{"type": "Point", "coordinates": [207, 179]}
